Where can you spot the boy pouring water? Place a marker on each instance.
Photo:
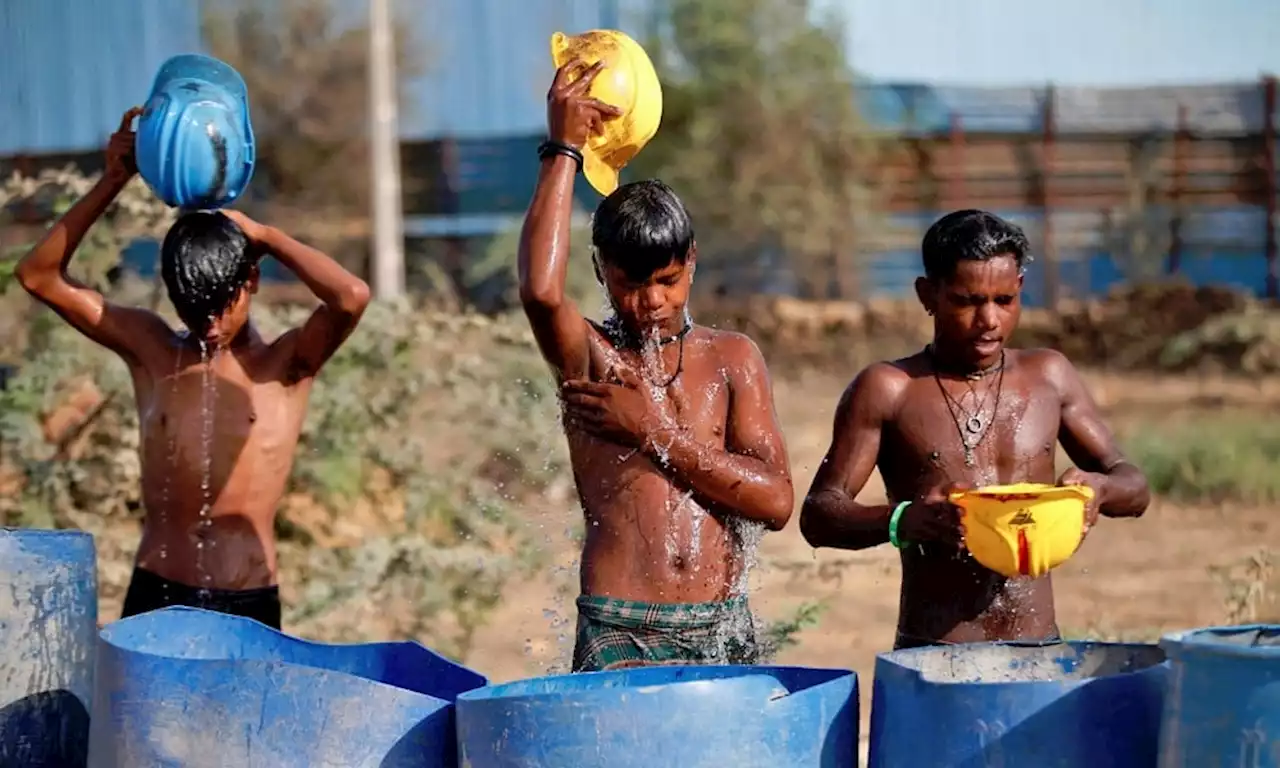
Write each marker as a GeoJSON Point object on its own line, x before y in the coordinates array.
{"type": "Point", "coordinates": [675, 445]}
{"type": "Point", "coordinates": [219, 407]}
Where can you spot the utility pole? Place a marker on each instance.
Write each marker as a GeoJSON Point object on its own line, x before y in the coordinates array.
{"type": "Point", "coordinates": [388, 223]}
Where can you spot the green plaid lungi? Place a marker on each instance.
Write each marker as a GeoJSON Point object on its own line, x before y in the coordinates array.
{"type": "Point", "coordinates": [613, 634]}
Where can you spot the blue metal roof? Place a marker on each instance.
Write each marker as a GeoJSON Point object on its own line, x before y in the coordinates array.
{"type": "Point", "coordinates": [489, 63]}
{"type": "Point", "coordinates": [70, 68]}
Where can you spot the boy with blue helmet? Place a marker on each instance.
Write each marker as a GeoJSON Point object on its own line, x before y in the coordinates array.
{"type": "Point", "coordinates": [219, 407]}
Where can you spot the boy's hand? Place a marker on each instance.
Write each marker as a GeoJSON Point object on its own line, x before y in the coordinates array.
{"type": "Point", "coordinates": [624, 413]}
{"type": "Point", "coordinates": [122, 163]}
{"type": "Point", "coordinates": [1075, 476]}
{"type": "Point", "coordinates": [934, 518]}
{"type": "Point", "coordinates": [572, 115]}
{"type": "Point", "coordinates": [253, 231]}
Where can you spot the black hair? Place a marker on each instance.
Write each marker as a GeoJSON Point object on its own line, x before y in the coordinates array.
{"type": "Point", "coordinates": [205, 261]}
{"type": "Point", "coordinates": [971, 235]}
{"type": "Point", "coordinates": [641, 228]}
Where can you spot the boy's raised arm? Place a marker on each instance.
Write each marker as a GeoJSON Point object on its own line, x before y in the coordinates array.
{"type": "Point", "coordinates": [43, 271]}
{"type": "Point", "coordinates": [558, 326]}
{"type": "Point", "coordinates": [343, 296]}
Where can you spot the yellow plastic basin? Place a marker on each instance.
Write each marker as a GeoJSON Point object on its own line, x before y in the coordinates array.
{"type": "Point", "coordinates": [1025, 529]}
{"type": "Point", "coordinates": [628, 82]}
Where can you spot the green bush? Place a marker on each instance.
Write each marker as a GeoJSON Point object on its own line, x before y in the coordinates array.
{"type": "Point", "coordinates": [1218, 459]}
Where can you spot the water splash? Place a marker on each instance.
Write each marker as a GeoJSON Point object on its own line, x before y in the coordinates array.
{"type": "Point", "coordinates": [171, 460]}
{"type": "Point", "coordinates": [652, 365]}
{"type": "Point", "coordinates": [208, 397]}
{"type": "Point", "coordinates": [747, 537]}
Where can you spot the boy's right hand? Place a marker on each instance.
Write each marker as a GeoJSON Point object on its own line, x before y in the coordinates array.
{"type": "Point", "coordinates": [572, 116]}
{"type": "Point", "coordinates": [122, 162]}
{"type": "Point", "coordinates": [934, 518]}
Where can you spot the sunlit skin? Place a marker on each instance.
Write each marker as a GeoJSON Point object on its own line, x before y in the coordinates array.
{"type": "Point", "coordinates": [893, 417]}
{"type": "Point", "coordinates": [649, 447]}
{"type": "Point", "coordinates": [237, 462]}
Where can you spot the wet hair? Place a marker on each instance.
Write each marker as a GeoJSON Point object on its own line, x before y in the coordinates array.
{"type": "Point", "coordinates": [641, 228]}
{"type": "Point", "coordinates": [971, 235]}
{"type": "Point", "coordinates": [205, 261]}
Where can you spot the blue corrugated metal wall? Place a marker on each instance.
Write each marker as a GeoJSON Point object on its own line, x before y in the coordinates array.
{"type": "Point", "coordinates": [70, 68]}
{"type": "Point", "coordinates": [489, 63]}
{"type": "Point", "coordinates": [1221, 246]}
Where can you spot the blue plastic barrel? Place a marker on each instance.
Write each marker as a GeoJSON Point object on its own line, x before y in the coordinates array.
{"type": "Point", "coordinates": [1007, 705]}
{"type": "Point", "coordinates": [1223, 704]}
{"type": "Point", "coordinates": [673, 716]}
{"type": "Point", "coordinates": [48, 622]}
{"type": "Point", "coordinates": [183, 686]}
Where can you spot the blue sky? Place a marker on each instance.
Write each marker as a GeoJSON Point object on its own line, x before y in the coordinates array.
{"type": "Point", "coordinates": [1071, 42]}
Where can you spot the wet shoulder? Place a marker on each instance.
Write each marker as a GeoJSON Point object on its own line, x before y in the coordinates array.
{"type": "Point", "coordinates": [731, 347]}
{"type": "Point", "coordinates": [1046, 367]}
{"type": "Point", "coordinates": [881, 386]}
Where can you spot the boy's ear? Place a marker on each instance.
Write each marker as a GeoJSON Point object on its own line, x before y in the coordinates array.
{"type": "Point", "coordinates": [926, 294]}
{"type": "Point", "coordinates": [255, 275]}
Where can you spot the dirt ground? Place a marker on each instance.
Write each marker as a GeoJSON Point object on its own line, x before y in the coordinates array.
{"type": "Point", "coordinates": [1133, 579]}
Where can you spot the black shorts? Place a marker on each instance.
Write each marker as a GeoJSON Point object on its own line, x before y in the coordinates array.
{"type": "Point", "coordinates": [149, 592]}
{"type": "Point", "coordinates": [905, 642]}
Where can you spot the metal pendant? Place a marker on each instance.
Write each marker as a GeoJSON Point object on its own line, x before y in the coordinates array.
{"type": "Point", "coordinates": [968, 457]}
{"type": "Point", "coordinates": [974, 424]}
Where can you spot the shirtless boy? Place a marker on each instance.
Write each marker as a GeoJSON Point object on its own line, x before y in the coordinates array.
{"type": "Point", "coordinates": [964, 412]}
{"type": "Point", "coordinates": [675, 445]}
{"type": "Point", "coordinates": [219, 408]}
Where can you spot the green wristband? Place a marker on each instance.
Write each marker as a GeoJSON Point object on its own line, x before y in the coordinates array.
{"type": "Point", "coordinates": [893, 524]}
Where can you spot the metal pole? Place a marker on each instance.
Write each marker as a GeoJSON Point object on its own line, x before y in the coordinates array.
{"type": "Point", "coordinates": [1049, 144]}
{"type": "Point", "coordinates": [1272, 288]}
{"type": "Point", "coordinates": [388, 223]}
{"type": "Point", "coordinates": [1180, 138]}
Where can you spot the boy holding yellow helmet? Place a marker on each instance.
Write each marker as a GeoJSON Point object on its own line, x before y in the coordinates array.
{"type": "Point", "coordinates": [965, 412]}
{"type": "Point", "coordinates": [676, 449]}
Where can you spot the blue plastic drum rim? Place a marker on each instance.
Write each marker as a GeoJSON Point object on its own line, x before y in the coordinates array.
{"type": "Point", "coordinates": [1143, 657]}
{"type": "Point", "coordinates": [1215, 640]}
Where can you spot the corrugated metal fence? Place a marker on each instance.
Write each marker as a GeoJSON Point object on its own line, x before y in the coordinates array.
{"type": "Point", "coordinates": [69, 67]}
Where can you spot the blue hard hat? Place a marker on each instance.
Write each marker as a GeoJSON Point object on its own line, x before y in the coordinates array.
{"type": "Point", "coordinates": [194, 140]}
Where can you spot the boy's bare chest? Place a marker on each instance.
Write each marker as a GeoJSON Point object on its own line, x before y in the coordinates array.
{"type": "Point", "coordinates": [689, 385]}
{"type": "Point", "coordinates": [221, 407]}
{"type": "Point", "coordinates": [1004, 427]}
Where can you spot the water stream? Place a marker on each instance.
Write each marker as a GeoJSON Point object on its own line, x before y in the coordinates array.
{"type": "Point", "coordinates": [685, 516]}
{"type": "Point", "coordinates": [208, 399]}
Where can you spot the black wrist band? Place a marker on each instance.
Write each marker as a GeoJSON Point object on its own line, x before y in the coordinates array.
{"type": "Point", "coordinates": [550, 148]}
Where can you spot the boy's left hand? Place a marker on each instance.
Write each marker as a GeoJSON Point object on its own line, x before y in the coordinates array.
{"type": "Point", "coordinates": [1095, 482]}
{"type": "Point", "coordinates": [252, 229]}
{"type": "Point", "coordinates": [625, 413]}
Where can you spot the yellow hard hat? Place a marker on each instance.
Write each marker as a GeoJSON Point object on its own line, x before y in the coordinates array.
{"type": "Point", "coordinates": [1025, 529]}
{"type": "Point", "coordinates": [627, 82]}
